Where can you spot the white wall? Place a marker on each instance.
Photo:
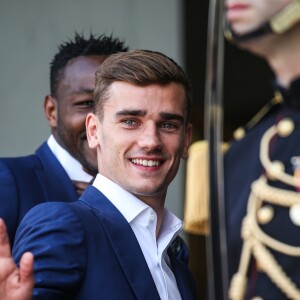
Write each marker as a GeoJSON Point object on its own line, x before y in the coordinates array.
{"type": "Point", "coordinates": [30, 31]}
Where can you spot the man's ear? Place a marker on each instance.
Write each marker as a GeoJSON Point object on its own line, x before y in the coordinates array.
{"type": "Point", "coordinates": [187, 140]}
{"type": "Point", "coordinates": [92, 124]}
{"type": "Point", "coordinates": [50, 110]}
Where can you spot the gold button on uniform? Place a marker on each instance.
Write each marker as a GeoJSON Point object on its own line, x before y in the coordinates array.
{"type": "Point", "coordinates": [239, 133]}
{"type": "Point", "coordinates": [265, 214]}
{"type": "Point", "coordinates": [295, 214]}
{"type": "Point", "coordinates": [285, 127]}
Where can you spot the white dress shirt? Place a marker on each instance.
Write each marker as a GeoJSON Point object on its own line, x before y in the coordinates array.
{"type": "Point", "coordinates": [142, 220]}
{"type": "Point", "coordinates": [72, 166]}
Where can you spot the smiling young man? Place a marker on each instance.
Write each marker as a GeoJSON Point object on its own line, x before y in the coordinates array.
{"type": "Point", "coordinates": [262, 167]}
{"type": "Point", "coordinates": [64, 166]}
{"type": "Point", "coordinates": [114, 242]}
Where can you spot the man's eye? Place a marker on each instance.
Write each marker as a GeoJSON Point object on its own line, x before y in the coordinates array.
{"type": "Point", "coordinates": [129, 122]}
{"type": "Point", "coordinates": [168, 126]}
{"type": "Point", "coordinates": [87, 103]}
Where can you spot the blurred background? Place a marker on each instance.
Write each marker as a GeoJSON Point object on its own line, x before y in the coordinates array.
{"type": "Point", "coordinates": [31, 30]}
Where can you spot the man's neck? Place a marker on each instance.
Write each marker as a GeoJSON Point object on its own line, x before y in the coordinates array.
{"type": "Point", "coordinates": [281, 52]}
{"type": "Point", "coordinates": [157, 204]}
{"type": "Point", "coordinates": [285, 56]}
{"type": "Point", "coordinates": [72, 167]}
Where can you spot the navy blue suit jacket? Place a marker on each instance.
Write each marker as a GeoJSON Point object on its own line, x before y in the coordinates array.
{"type": "Point", "coordinates": [30, 180]}
{"type": "Point", "coordinates": [87, 250]}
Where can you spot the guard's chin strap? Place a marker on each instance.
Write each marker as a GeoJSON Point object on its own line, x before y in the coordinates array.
{"type": "Point", "coordinates": [241, 38]}
{"type": "Point", "coordinates": [279, 23]}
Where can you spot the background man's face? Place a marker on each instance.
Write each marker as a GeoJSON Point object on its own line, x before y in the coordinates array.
{"type": "Point", "coordinates": [247, 15]}
{"type": "Point", "coordinates": [75, 100]}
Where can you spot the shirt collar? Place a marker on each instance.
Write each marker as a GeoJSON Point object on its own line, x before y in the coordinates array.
{"type": "Point", "coordinates": [72, 166]}
{"type": "Point", "coordinates": [130, 206]}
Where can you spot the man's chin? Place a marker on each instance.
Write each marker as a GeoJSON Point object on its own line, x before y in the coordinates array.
{"type": "Point", "coordinates": [89, 163]}
{"type": "Point", "coordinates": [148, 191]}
{"type": "Point", "coordinates": [89, 168]}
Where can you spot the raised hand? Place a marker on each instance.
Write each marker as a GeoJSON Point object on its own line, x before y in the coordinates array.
{"type": "Point", "coordinates": [15, 283]}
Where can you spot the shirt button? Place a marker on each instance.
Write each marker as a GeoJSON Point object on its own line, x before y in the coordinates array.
{"type": "Point", "coordinates": [152, 217]}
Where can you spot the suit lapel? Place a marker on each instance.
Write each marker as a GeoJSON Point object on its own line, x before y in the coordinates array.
{"type": "Point", "coordinates": [184, 279]}
{"type": "Point", "coordinates": [124, 243]}
{"type": "Point", "coordinates": [58, 187]}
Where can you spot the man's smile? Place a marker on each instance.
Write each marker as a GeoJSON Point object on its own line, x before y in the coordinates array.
{"type": "Point", "coordinates": [147, 162]}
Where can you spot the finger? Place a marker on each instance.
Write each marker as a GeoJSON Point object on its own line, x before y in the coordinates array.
{"type": "Point", "coordinates": [26, 276]}
{"type": "Point", "coordinates": [4, 241]}
{"type": "Point", "coordinates": [26, 268]}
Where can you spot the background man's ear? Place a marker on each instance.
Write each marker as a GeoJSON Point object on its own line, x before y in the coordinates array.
{"type": "Point", "coordinates": [92, 124]}
{"type": "Point", "coordinates": [50, 110]}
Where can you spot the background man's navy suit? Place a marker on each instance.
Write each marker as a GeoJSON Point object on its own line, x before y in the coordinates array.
{"type": "Point", "coordinates": [87, 250]}
{"type": "Point", "coordinates": [30, 180]}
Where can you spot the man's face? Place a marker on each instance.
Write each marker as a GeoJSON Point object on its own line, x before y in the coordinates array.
{"type": "Point", "coordinates": [75, 100]}
{"type": "Point", "coordinates": [247, 15]}
{"type": "Point", "coordinates": [142, 137]}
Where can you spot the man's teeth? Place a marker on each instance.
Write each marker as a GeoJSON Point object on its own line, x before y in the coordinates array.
{"type": "Point", "coordinates": [146, 163]}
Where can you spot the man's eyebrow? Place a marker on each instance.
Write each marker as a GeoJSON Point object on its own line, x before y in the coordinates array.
{"type": "Point", "coordinates": [170, 116]}
{"type": "Point", "coordinates": [83, 91]}
{"type": "Point", "coordinates": [132, 112]}
{"type": "Point", "coordinates": [142, 113]}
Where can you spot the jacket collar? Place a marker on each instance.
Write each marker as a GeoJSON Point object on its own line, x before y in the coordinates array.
{"type": "Point", "coordinates": [124, 243]}
{"type": "Point", "coordinates": [53, 177]}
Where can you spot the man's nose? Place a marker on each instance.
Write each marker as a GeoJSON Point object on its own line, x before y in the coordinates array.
{"type": "Point", "coordinates": [150, 137]}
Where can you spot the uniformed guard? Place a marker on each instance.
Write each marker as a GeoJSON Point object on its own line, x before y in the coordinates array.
{"type": "Point", "coordinates": [262, 164]}
{"type": "Point", "coordinates": [262, 167]}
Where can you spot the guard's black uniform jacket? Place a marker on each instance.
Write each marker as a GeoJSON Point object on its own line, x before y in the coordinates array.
{"type": "Point", "coordinates": [241, 167]}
